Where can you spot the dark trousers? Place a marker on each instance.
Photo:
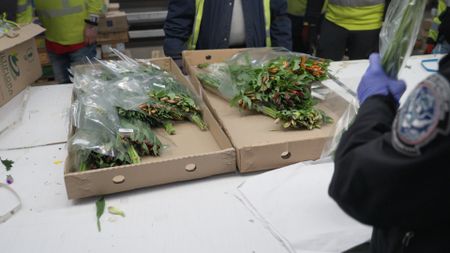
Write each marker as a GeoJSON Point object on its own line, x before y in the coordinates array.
{"type": "Point", "coordinates": [296, 28]}
{"type": "Point", "coordinates": [61, 63]}
{"type": "Point", "coordinates": [336, 41]}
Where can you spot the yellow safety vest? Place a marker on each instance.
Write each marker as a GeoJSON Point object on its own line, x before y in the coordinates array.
{"type": "Point", "coordinates": [298, 7]}
{"type": "Point", "coordinates": [64, 19]}
{"type": "Point", "coordinates": [199, 4]}
{"type": "Point", "coordinates": [434, 29]}
{"type": "Point", "coordinates": [356, 15]}
{"type": "Point", "coordinates": [24, 12]}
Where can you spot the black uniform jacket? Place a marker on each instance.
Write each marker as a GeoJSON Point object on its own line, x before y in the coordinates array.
{"type": "Point", "coordinates": [392, 169]}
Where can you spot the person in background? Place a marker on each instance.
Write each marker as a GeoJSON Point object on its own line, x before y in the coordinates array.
{"type": "Point", "coordinates": [216, 24]}
{"type": "Point", "coordinates": [71, 31]}
{"type": "Point", "coordinates": [19, 11]}
{"type": "Point", "coordinates": [391, 166]}
{"type": "Point", "coordinates": [350, 27]}
{"type": "Point", "coordinates": [437, 42]}
{"type": "Point", "coordinates": [24, 12]}
{"type": "Point", "coordinates": [304, 28]}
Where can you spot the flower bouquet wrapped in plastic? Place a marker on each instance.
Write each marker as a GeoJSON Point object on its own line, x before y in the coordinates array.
{"type": "Point", "coordinates": [274, 82]}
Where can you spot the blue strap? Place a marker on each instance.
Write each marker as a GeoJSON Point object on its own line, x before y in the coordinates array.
{"type": "Point", "coordinates": [423, 63]}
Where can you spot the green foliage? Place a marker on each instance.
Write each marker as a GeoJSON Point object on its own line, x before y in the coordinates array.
{"type": "Point", "coordinates": [281, 88]}
{"type": "Point", "coordinates": [7, 163]}
{"type": "Point", "coordinates": [100, 205]}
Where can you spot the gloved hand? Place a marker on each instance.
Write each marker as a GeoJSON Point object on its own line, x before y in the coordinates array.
{"type": "Point", "coordinates": [376, 82]}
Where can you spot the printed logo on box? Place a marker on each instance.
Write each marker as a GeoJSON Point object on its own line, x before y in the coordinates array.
{"type": "Point", "coordinates": [29, 56]}
{"type": "Point", "coordinates": [13, 65]}
{"type": "Point", "coordinates": [9, 66]}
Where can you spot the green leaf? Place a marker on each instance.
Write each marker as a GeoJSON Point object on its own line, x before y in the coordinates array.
{"type": "Point", "coordinates": [7, 163]}
{"type": "Point", "coordinates": [100, 204]}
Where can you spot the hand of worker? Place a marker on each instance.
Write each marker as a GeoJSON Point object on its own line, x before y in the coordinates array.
{"type": "Point", "coordinates": [90, 34]}
{"type": "Point", "coordinates": [376, 82]}
{"type": "Point", "coordinates": [309, 38]}
{"type": "Point", "coordinates": [429, 48]}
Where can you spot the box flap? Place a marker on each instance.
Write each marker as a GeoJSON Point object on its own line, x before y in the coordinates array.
{"type": "Point", "coordinates": [25, 33]}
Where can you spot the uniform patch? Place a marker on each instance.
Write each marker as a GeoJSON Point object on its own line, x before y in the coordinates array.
{"type": "Point", "coordinates": [424, 115]}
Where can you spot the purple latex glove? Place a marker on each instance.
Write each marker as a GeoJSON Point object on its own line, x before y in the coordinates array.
{"type": "Point", "coordinates": [376, 82]}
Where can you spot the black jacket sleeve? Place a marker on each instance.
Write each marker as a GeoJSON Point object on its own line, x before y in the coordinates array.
{"type": "Point", "coordinates": [280, 27]}
{"type": "Point", "coordinates": [178, 26]}
{"type": "Point", "coordinates": [378, 184]}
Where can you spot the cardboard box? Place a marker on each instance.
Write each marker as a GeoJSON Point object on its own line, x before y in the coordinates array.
{"type": "Point", "coordinates": [113, 6]}
{"type": "Point", "coordinates": [191, 154]}
{"type": "Point", "coordinates": [112, 38]}
{"type": "Point", "coordinates": [112, 22]}
{"type": "Point", "coordinates": [19, 62]}
{"type": "Point", "coordinates": [259, 142]}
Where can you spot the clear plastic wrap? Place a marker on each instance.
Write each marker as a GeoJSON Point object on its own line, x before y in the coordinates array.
{"type": "Point", "coordinates": [340, 127]}
{"type": "Point", "coordinates": [115, 107]}
{"type": "Point", "coordinates": [92, 111]}
{"type": "Point", "coordinates": [399, 33]}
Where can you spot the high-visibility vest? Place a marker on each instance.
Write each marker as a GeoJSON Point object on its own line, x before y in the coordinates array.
{"type": "Point", "coordinates": [199, 4]}
{"type": "Point", "coordinates": [298, 7]}
{"type": "Point", "coordinates": [356, 15]}
{"type": "Point", "coordinates": [434, 29]}
{"type": "Point", "coordinates": [24, 12]}
{"type": "Point", "coordinates": [64, 20]}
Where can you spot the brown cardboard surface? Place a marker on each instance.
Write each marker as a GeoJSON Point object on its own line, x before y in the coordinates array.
{"type": "Point", "coordinates": [191, 154]}
{"type": "Point", "coordinates": [25, 33]}
{"type": "Point", "coordinates": [113, 7]}
{"type": "Point", "coordinates": [260, 143]}
{"type": "Point", "coordinates": [112, 38]}
{"type": "Point", "coordinates": [19, 62]}
{"type": "Point", "coordinates": [113, 21]}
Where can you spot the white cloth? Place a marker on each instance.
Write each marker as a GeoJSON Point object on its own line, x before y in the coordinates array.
{"type": "Point", "coordinates": [294, 205]}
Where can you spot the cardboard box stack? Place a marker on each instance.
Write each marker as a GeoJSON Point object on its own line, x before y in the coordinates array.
{"type": "Point", "coordinates": [19, 62]}
{"type": "Point", "coordinates": [112, 31]}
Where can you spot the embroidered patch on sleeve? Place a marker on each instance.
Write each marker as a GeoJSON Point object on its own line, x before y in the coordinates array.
{"type": "Point", "coordinates": [424, 115]}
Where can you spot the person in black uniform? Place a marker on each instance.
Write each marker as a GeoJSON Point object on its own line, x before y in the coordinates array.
{"type": "Point", "coordinates": [392, 168]}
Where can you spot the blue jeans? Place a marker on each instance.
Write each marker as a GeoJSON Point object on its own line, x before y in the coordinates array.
{"type": "Point", "coordinates": [62, 62]}
{"type": "Point", "coordinates": [442, 48]}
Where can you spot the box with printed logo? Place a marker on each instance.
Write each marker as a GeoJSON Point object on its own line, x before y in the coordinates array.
{"type": "Point", "coordinates": [19, 61]}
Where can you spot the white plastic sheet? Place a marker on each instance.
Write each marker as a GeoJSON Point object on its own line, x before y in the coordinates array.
{"type": "Point", "coordinates": [294, 205]}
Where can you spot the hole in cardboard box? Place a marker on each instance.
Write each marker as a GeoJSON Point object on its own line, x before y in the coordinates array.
{"type": "Point", "coordinates": [286, 155]}
{"type": "Point", "coordinates": [208, 57]}
{"type": "Point", "coordinates": [118, 179]}
{"type": "Point", "coordinates": [190, 167]}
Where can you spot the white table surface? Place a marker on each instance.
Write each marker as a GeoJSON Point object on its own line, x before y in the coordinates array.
{"type": "Point", "coordinates": [198, 216]}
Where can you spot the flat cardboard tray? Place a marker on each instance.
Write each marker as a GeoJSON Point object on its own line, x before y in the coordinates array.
{"type": "Point", "coordinates": [259, 142]}
{"type": "Point", "coordinates": [191, 154]}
